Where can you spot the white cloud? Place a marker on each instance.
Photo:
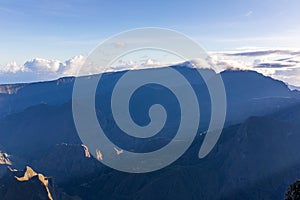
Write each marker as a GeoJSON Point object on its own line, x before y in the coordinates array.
{"type": "Point", "coordinates": [282, 64]}
{"type": "Point", "coordinates": [39, 69]}
{"type": "Point", "coordinates": [71, 66]}
{"type": "Point", "coordinates": [39, 65]}
{"type": "Point", "coordinates": [12, 67]}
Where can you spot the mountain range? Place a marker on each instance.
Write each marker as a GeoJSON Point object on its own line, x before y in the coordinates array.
{"type": "Point", "coordinates": [255, 158]}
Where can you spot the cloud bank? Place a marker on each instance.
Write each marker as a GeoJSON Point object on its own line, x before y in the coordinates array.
{"type": "Point", "coordinates": [282, 64]}
{"type": "Point", "coordinates": [39, 69]}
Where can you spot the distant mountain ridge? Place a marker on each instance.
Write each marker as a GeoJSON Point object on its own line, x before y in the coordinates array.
{"type": "Point", "coordinates": [245, 85]}
{"type": "Point", "coordinates": [36, 125]}
{"type": "Point", "coordinates": [41, 105]}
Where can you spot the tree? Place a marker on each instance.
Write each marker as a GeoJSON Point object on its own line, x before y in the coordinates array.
{"type": "Point", "coordinates": [293, 192]}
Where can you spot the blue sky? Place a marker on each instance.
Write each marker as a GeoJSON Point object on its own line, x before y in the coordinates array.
{"type": "Point", "coordinates": [62, 29]}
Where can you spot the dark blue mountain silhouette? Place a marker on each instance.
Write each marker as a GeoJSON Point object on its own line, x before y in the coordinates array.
{"type": "Point", "coordinates": [256, 156]}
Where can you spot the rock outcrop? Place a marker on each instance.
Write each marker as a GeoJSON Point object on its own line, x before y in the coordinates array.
{"type": "Point", "coordinates": [28, 184]}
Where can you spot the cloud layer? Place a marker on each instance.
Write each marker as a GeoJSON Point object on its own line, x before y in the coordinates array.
{"type": "Point", "coordinates": [39, 69]}
{"type": "Point", "coordinates": [282, 64]}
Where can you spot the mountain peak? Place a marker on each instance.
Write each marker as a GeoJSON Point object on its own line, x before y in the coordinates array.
{"type": "Point", "coordinates": [28, 174]}
{"type": "Point", "coordinates": [28, 184]}
{"type": "Point", "coordinates": [86, 151]}
{"type": "Point", "coordinates": [4, 159]}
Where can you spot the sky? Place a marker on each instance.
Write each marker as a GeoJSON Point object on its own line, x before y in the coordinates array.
{"type": "Point", "coordinates": [43, 35]}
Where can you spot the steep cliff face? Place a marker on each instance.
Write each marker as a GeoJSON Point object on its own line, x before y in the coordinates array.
{"type": "Point", "coordinates": [242, 87]}
{"type": "Point", "coordinates": [4, 159]}
{"type": "Point", "coordinates": [255, 159]}
{"type": "Point", "coordinates": [261, 159]}
{"type": "Point", "coordinates": [11, 88]}
{"type": "Point", "coordinates": [4, 163]}
{"type": "Point", "coordinates": [67, 161]}
{"type": "Point", "coordinates": [27, 184]}
{"type": "Point", "coordinates": [17, 97]}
